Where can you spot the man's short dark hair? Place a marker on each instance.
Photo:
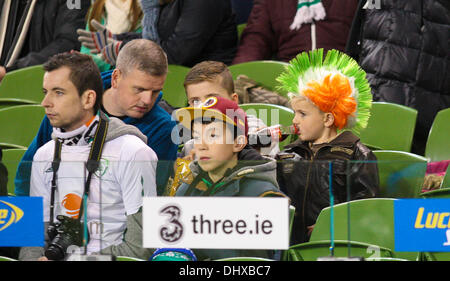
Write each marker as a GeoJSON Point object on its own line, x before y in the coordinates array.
{"type": "Point", "coordinates": [84, 73]}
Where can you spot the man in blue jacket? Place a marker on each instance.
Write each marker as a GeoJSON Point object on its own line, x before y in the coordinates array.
{"type": "Point", "coordinates": [134, 91]}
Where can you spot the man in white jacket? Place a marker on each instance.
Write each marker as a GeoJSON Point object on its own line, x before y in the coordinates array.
{"type": "Point", "coordinates": [73, 90]}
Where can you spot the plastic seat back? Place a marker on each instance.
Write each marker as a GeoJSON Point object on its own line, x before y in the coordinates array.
{"type": "Point", "coordinates": [443, 193]}
{"type": "Point", "coordinates": [391, 127]}
{"type": "Point", "coordinates": [24, 84]}
{"type": "Point", "coordinates": [371, 222]}
{"type": "Point", "coordinates": [11, 159]}
{"type": "Point", "coordinates": [264, 72]}
{"type": "Point", "coordinates": [19, 125]}
{"type": "Point", "coordinates": [173, 90]}
{"type": "Point", "coordinates": [311, 251]}
{"type": "Point", "coordinates": [438, 142]}
{"type": "Point", "coordinates": [401, 174]}
{"type": "Point", "coordinates": [446, 180]}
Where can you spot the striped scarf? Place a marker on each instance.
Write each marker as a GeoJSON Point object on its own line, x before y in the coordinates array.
{"type": "Point", "coordinates": [307, 11]}
{"type": "Point", "coordinates": [81, 136]}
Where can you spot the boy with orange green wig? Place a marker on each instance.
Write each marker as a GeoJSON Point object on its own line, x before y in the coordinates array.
{"type": "Point", "coordinates": [331, 98]}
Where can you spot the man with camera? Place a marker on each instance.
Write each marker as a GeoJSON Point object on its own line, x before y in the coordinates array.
{"type": "Point", "coordinates": [94, 172]}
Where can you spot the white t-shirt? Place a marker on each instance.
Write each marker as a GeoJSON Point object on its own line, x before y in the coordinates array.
{"type": "Point", "coordinates": [127, 172]}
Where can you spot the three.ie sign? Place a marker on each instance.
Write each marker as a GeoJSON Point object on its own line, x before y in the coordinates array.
{"type": "Point", "coordinates": [422, 225]}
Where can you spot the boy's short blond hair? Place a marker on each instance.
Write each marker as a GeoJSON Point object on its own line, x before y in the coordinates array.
{"type": "Point", "coordinates": [211, 71]}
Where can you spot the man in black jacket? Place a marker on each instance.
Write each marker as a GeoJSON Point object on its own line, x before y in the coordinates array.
{"type": "Point", "coordinates": [38, 29]}
{"type": "Point", "coordinates": [403, 47]}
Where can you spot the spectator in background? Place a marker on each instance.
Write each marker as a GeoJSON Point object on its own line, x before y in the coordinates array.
{"type": "Point", "coordinates": [36, 30]}
{"type": "Point", "coordinates": [135, 91]}
{"type": "Point", "coordinates": [404, 48]}
{"type": "Point", "coordinates": [189, 31]}
{"type": "Point", "coordinates": [271, 33]}
{"type": "Point", "coordinates": [213, 79]}
{"type": "Point", "coordinates": [118, 16]}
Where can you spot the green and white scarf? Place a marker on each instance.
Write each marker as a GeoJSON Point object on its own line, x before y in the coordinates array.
{"type": "Point", "coordinates": [307, 11]}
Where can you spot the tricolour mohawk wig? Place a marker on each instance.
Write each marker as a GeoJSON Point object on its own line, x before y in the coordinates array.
{"type": "Point", "coordinates": [336, 84]}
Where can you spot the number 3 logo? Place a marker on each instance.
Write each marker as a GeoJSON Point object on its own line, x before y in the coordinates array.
{"type": "Point", "coordinates": [173, 229]}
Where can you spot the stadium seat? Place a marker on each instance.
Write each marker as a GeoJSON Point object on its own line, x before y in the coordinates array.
{"type": "Point", "coordinates": [173, 90]}
{"type": "Point", "coordinates": [271, 115]}
{"type": "Point", "coordinates": [8, 102]}
{"type": "Point", "coordinates": [24, 84]}
{"type": "Point", "coordinates": [391, 127]}
{"type": "Point", "coordinates": [384, 259]}
{"type": "Point", "coordinates": [244, 259]}
{"type": "Point", "coordinates": [435, 256]}
{"type": "Point", "coordinates": [240, 29]}
{"type": "Point", "coordinates": [124, 258]}
{"type": "Point", "coordinates": [371, 222]}
{"type": "Point", "coordinates": [311, 251]}
{"type": "Point", "coordinates": [401, 174]}
{"type": "Point", "coordinates": [264, 72]}
{"type": "Point", "coordinates": [438, 143]}
{"type": "Point", "coordinates": [19, 125]}
{"type": "Point", "coordinates": [2, 258]}
{"type": "Point", "coordinates": [443, 193]}
{"type": "Point", "coordinates": [11, 159]}
{"type": "Point", "coordinates": [446, 180]}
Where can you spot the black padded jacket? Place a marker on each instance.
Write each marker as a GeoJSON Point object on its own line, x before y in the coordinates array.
{"type": "Point", "coordinates": [404, 48]}
{"type": "Point", "coordinates": [303, 175]}
{"type": "Point", "coordinates": [52, 30]}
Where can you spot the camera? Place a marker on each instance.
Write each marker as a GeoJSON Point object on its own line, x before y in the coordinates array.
{"type": "Point", "coordinates": [63, 233]}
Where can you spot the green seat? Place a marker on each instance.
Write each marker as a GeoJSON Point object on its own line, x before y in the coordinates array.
{"type": "Point", "coordinates": [401, 174]}
{"type": "Point", "coordinates": [311, 251]}
{"type": "Point", "coordinates": [24, 84]}
{"type": "Point", "coordinates": [385, 259]}
{"type": "Point", "coordinates": [264, 72]}
{"type": "Point", "coordinates": [438, 143]}
{"type": "Point", "coordinates": [443, 193]}
{"type": "Point", "coordinates": [8, 102]}
{"type": "Point", "coordinates": [19, 125]}
{"type": "Point", "coordinates": [244, 259]}
{"type": "Point", "coordinates": [271, 114]}
{"type": "Point", "coordinates": [446, 180]}
{"type": "Point", "coordinates": [240, 29]}
{"type": "Point", "coordinates": [124, 258]}
{"type": "Point", "coordinates": [173, 90]}
{"type": "Point", "coordinates": [2, 258]}
{"type": "Point", "coordinates": [435, 256]}
{"type": "Point", "coordinates": [371, 222]}
{"type": "Point", "coordinates": [391, 127]}
{"type": "Point", "coordinates": [11, 159]}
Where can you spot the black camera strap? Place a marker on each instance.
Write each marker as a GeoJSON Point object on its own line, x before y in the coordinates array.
{"type": "Point", "coordinates": [92, 163]}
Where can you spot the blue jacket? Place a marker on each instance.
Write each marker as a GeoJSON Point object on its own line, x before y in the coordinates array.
{"type": "Point", "coordinates": [157, 125]}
